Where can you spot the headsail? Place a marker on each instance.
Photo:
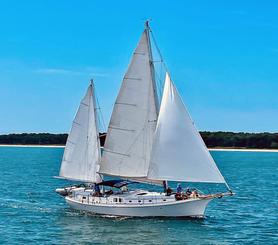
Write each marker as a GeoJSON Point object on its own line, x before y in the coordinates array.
{"type": "Point", "coordinates": [82, 153]}
{"type": "Point", "coordinates": [132, 125]}
{"type": "Point", "coordinates": [179, 153]}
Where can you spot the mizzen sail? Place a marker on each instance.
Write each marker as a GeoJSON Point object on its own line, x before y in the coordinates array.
{"type": "Point", "coordinates": [82, 153]}
{"type": "Point", "coordinates": [132, 125]}
{"type": "Point", "coordinates": [178, 152]}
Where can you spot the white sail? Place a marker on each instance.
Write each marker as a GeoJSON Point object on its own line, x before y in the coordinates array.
{"type": "Point", "coordinates": [82, 153]}
{"type": "Point", "coordinates": [179, 153]}
{"type": "Point", "coordinates": [132, 125]}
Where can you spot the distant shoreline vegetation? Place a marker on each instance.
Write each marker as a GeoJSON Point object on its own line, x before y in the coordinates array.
{"type": "Point", "coordinates": [212, 139]}
{"type": "Point", "coordinates": [38, 139]}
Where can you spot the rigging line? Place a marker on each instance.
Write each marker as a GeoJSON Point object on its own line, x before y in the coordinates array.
{"type": "Point", "coordinates": [228, 187]}
{"type": "Point", "coordinates": [162, 65]}
{"type": "Point", "coordinates": [96, 118]}
{"type": "Point", "coordinates": [147, 31]}
{"type": "Point", "coordinates": [160, 84]}
{"type": "Point", "coordinates": [159, 52]}
{"type": "Point", "coordinates": [158, 76]}
{"type": "Point", "coordinates": [101, 118]}
{"type": "Point", "coordinates": [161, 87]}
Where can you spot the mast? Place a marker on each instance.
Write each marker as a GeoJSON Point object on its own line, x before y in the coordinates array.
{"type": "Point", "coordinates": [148, 30]}
{"type": "Point", "coordinates": [98, 176]}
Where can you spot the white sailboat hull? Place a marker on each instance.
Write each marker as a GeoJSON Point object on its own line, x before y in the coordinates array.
{"type": "Point", "coordinates": [182, 208]}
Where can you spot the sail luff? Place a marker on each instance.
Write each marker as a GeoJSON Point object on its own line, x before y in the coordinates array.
{"type": "Point", "coordinates": [179, 153]}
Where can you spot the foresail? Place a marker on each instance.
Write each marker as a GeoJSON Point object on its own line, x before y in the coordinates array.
{"type": "Point", "coordinates": [178, 152]}
{"type": "Point", "coordinates": [133, 121]}
{"type": "Point", "coordinates": [82, 153]}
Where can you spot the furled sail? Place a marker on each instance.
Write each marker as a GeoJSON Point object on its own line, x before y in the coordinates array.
{"type": "Point", "coordinates": [82, 153]}
{"type": "Point", "coordinates": [178, 152]}
{"type": "Point", "coordinates": [133, 121]}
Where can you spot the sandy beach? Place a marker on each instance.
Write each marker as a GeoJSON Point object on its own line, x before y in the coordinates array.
{"type": "Point", "coordinates": [211, 149]}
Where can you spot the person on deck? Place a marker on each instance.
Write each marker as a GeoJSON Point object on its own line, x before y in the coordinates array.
{"type": "Point", "coordinates": [168, 191]}
{"type": "Point", "coordinates": [188, 192]}
{"type": "Point", "coordinates": [97, 190]}
{"type": "Point", "coordinates": [179, 188]}
{"type": "Point", "coordinates": [164, 186]}
{"type": "Point", "coordinates": [124, 188]}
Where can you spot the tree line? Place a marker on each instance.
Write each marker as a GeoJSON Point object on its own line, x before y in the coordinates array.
{"type": "Point", "coordinates": [241, 140]}
{"type": "Point", "coordinates": [38, 139]}
{"type": "Point", "coordinates": [212, 139]}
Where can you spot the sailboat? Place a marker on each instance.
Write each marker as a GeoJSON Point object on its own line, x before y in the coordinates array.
{"type": "Point", "coordinates": [148, 141]}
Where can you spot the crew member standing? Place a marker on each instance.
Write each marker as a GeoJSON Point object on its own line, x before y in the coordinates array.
{"type": "Point", "coordinates": [179, 188]}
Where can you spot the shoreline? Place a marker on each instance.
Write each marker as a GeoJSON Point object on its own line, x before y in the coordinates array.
{"type": "Point", "coordinates": [243, 149]}
{"type": "Point", "coordinates": [37, 146]}
{"type": "Point", "coordinates": [210, 149]}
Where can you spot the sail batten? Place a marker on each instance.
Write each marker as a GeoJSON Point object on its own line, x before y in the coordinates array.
{"type": "Point", "coordinates": [82, 152]}
{"type": "Point", "coordinates": [132, 124]}
{"type": "Point", "coordinates": [178, 152]}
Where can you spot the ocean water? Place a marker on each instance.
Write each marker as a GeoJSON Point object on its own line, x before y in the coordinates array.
{"type": "Point", "coordinates": [32, 213]}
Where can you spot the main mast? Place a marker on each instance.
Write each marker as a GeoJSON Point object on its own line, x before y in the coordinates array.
{"type": "Point", "coordinates": [99, 177]}
{"type": "Point", "coordinates": [148, 30]}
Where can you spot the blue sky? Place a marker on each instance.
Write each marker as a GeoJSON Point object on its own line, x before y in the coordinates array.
{"type": "Point", "coordinates": [222, 55]}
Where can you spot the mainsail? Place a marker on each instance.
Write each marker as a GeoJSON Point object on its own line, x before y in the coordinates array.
{"type": "Point", "coordinates": [82, 153]}
{"type": "Point", "coordinates": [179, 153]}
{"type": "Point", "coordinates": [132, 125]}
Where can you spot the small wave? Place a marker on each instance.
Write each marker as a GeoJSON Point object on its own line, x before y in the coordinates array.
{"type": "Point", "coordinates": [26, 205]}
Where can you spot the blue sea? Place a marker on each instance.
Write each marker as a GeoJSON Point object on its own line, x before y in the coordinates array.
{"type": "Point", "coordinates": [32, 213]}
